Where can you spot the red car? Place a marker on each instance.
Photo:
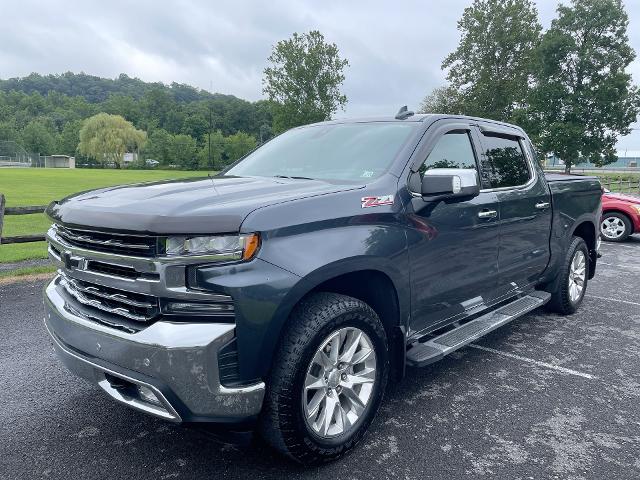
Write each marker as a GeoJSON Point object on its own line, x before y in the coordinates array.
{"type": "Point", "coordinates": [620, 216]}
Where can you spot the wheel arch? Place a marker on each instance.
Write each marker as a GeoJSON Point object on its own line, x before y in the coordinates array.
{"type": "Point", "coordinates": [373, 283]}
{"type": "Point", "coordinates": [589, 233]}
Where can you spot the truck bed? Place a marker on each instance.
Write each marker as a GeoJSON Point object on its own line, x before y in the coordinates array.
{"type": "Point", "coordinates": [563, 177]}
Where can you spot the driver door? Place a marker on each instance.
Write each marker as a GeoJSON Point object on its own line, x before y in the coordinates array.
{"type": "Point", "coordinates": [453, 244]}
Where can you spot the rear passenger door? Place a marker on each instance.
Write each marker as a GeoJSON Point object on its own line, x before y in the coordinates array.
{"type": "Point", "coordinates": [508, 170]}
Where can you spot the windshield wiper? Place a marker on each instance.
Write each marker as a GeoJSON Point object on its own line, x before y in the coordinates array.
{"type": "Point", "coordinates": [293, 177]}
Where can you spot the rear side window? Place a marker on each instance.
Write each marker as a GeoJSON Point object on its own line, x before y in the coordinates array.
{"type": "Point", "coordinates": [453, 150]}
{"type": "Point", "coordinates": [504, 163]}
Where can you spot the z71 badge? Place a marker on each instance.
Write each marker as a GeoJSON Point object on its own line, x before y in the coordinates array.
{"type": "Point", "coordinates": [377, 201]}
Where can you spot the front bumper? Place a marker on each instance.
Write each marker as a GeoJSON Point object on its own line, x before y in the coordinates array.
{"type": "Point", "coordinates": [176, 362]}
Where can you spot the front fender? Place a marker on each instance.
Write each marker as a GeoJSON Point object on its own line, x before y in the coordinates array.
{"type": "Point", "coordinates": [313, 243]}
{"type": "Point", "coordinates": [318, 277]}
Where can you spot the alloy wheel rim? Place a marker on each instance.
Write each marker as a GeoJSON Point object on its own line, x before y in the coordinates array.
{"type": "Point", "coordinates": [577, 275]}
{"type": "Point", "coordinates": [612, 227]}
{"type": "Point", "coordinates": [339, 382]}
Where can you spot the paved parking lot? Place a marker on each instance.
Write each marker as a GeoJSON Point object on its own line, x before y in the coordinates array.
{"type": "Point", "coordinates": [543, 397]}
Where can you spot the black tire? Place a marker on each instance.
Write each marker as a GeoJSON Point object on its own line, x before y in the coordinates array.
{"type": "Point", "coordinates": [628, 228]}
{"type": "Point", "coordinates": [282, 423]}
{"type": "Point", "coordinates": [560, 299]}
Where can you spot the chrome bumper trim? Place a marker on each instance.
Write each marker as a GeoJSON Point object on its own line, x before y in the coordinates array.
{"type": "Point", "coordinates": [166, 411]}
{"type": "Point", "coordinates": [183, 357]}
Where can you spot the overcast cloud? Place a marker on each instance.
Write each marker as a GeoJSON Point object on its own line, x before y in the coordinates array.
{"type": "Point", "coordinates": [394, 48]}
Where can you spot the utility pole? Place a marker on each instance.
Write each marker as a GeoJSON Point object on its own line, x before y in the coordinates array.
{"type": "Point", "coordinates": [209, 142]}
{"type": "Point", "coordinates": [210, 124]}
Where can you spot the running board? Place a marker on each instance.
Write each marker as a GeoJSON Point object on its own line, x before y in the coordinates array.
{"type": "Point", "coordinates": [421, 354]}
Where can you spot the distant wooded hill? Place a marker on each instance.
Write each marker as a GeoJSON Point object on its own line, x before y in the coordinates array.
{"type": "Point", "coordinates": [97, 89]}
{"type": "Point", "coordinates": [44, 113]}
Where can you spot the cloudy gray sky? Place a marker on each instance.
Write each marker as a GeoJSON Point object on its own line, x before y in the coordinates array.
{"type": "Point", "coordinates": [394, 48]}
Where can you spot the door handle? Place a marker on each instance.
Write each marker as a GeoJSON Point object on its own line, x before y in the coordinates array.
{"type": "Point", "coordinates": [542, 205]}
{"type": "Point", "coordinates": [487, 214]}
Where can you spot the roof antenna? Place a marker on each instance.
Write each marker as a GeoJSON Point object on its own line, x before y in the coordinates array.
{"type": "Point", "coordinates": [403, 113]}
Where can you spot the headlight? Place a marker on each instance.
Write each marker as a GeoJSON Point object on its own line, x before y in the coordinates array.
{"type": "Point", "coordinates": [636, 207]}
{"type": "Point", "coordinates": [226, 247]}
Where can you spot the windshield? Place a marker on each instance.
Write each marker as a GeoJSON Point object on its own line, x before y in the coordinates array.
{"type": "Point", "coordinates": [347, 151]}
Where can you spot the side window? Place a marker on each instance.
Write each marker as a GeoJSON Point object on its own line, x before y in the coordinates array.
{"type": "Point", "coordinates": [504, 163]}
{"type": "Point", "coordinates": [453, 150]}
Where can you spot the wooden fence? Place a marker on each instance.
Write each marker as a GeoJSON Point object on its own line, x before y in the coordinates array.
{"type": "Point", "coordinates": [19, 211]}
{"type": "Point", "coordinates": [620, 185]}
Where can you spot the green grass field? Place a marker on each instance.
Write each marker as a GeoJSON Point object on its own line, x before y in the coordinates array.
{"type": "Point", "coordinates": [39, 186]}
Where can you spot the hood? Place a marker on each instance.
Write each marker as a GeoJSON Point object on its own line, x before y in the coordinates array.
{"type": "Point", "coordinates": [622, 196]}
{"type": "Point", "coordinates": [211, 205]}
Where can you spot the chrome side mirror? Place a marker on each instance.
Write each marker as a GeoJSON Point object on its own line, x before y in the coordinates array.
{"type": "Point", "coordinates": [444, 183]}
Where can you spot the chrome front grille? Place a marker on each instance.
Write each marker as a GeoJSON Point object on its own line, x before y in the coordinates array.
{"type": "Point", "coordinates": [132, 306]}
{"type": "Point", "coordinates": [128, 291]}
{"type": "Point", "coordinates": [135, 245]}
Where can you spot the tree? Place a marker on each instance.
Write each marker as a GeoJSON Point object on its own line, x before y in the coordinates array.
{"type": "Point", "coordinates": [583, 98]}
{"type": "Point", "coordinates": [8, 131]}
{"type": "Point", "coordinates": [127, 107]}
{"type": "Point", "coordinates": [491, 67]}
{"type": "Point", "coordinates": [303, 80]}
{"type": "Point", "coordinates": [238, 145]}
{"type": "Point", "coordinates": [217, 152]}
{"type": "Point", "coordinates": [69, 138]}
{"type": "Point", "coordinates": [183, 151]}
{"type": "Point", "coordinates": [442, 100]}
{"type": "Point", "coordinates": [158, 147]}
{"type": "Point", "coordinates": [156, 105]}
{"type": "Point", "coordinates": [195, 125]}
{"type": "Point", "coordinates": [38, 138]}
{"type": "Point", "coordinates": [107, 138]}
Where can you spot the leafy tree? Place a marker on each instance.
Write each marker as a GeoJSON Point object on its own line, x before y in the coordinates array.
{"type": "Point", "coordinates": [195, 125]}
{"type": "Point", "coordinates": [123, 105]}
{"type": "Point", "coordinates": [442, 100]}
{"type": "Point", "coordinates": [107, 138]}
{"type": "Point", "coordinates": [38, 138]}
{"type": "Point", "coordinates": [158, 147]}
{"type": "Point", "coordinates": [156, 105]}
{"type": "Point", "coordinates": [491, 67]}
{"type": "Point", "coordinates": [183, 151]}
{"type": "Point", "coordinates": [303, 80]}
{"type": "Point", "coordinates": [583, 98]}
{"type": "Point", "coordinates": [69, 138]}
{"type": "Point", "coordinates": [217, 152]}
{"type": "Point", "coordinates": [238, 145]}
{"type": "Point", "coordinates": [8, 131]}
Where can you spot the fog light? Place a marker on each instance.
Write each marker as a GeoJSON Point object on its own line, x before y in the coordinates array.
{"type": "Point", "coordinates": [147, 395]}
{"type": "Point", "coordinates": [199, 308]}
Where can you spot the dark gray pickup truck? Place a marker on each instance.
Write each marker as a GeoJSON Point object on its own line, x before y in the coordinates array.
{"type": "Point", "coordinates": [285, 292]}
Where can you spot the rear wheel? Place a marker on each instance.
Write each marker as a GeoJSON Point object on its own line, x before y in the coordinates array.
{"type": "Point", "coordinates": [615, 227]}
{"type": "Point", "coordinates": [571, 284]}
{"type": "Point", "coordinates": [328, 379]}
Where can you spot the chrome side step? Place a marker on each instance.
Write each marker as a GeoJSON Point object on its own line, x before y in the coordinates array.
{"type": "Point", "coordinates": [435, 348]}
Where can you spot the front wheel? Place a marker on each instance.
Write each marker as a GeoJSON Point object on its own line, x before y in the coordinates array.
{"type": "Point", "coordinates": [328, 379]}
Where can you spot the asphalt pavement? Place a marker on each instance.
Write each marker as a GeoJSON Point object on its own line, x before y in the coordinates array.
{"type": "Point", "coordinates": [543, 397]}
